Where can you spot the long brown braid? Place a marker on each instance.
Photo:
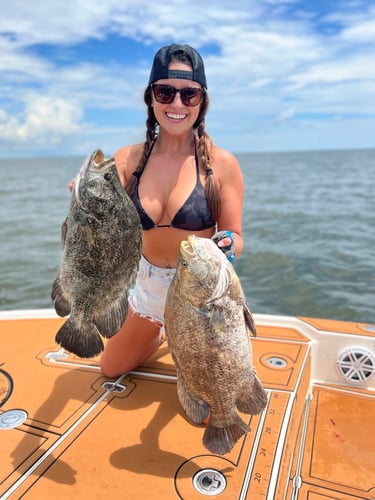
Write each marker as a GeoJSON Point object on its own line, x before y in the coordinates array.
{"type": "Point", "coordinates": [203, 142]}
{"type": "Point", "coordinates": [151, 134]}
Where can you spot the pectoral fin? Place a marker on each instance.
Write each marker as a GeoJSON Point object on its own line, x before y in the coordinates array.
{"type": "Point", "coordinates": [249, 320]}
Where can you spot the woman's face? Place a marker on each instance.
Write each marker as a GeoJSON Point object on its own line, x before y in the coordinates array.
{"type": "Point", "coordinates": [176, 118]}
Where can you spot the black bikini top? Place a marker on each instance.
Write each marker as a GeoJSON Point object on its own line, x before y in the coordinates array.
{"type": "Point", "coordinates": [194, 215]}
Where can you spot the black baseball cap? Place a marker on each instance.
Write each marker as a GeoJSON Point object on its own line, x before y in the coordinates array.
{"type": "Point", "coordinates": [163, 57]}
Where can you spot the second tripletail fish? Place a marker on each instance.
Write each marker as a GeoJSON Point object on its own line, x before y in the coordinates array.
{"type": "Point", "coordinates": [207, 324]}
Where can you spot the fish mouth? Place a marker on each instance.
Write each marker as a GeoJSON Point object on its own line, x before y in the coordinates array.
{"type": "Point", "coordinates": [97, 158]}
{"type": "Point", "coordinates": [187, 247]}
{"type": "Point", "coordinates": [195, 247]}
{"type": "Point", "coordinates": [99, 163]}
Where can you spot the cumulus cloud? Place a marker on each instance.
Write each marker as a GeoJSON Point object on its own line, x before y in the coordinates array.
{"type": "Point", "coordinates": [44, 118]}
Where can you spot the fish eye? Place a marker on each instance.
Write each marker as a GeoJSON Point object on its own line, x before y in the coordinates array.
{"type": "Point", "coordinates": [107, 176]}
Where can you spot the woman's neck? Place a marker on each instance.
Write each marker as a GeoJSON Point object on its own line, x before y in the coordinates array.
{"type": "Point", "coordinates": [171, 147]}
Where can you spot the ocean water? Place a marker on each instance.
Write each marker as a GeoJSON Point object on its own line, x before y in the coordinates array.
{"type": "Point", "coordinates": [308, 223]}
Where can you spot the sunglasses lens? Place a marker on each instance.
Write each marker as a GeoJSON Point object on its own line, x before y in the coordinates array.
{"type": "Point", "coordinates": [165, 94]}
{"type": "Point", "coordinates": [191, 96]}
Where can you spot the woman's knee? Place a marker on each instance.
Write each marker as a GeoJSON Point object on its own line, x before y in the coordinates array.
{"type": "Point", "coordinates": [137, 340]}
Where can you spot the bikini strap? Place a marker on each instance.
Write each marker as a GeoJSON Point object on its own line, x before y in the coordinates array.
{"type": "Point", "coordinates": [137, 174]}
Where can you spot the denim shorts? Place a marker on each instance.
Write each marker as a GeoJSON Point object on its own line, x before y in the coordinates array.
{"type": "Point", "coordinates": [148, 296]}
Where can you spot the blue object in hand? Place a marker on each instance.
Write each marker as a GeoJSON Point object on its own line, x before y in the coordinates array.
{"type": "Point", "coordinates": [228, 250]}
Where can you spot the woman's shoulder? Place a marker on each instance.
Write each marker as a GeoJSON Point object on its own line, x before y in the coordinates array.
{"type": "Point", "coordinates": [127, 158]}
{"type": "Point", "coordinates": [129, 152]}
{"type": "Point", "coordinates": [224, 160]}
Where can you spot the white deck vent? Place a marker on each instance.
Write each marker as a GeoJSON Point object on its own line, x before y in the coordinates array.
{"type": "Point", "coordinates": [356, 365]}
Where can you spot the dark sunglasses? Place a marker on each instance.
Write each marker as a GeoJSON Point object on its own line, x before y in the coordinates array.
{"type": "Point", "coordinates": [165, 94]}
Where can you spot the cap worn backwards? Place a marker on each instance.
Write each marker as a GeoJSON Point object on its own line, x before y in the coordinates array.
{"type": "Point", "coordinates": [163, 57]}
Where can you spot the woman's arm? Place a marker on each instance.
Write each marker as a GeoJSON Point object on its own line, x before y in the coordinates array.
{"type": "Point", "coordinates": [231, 187]}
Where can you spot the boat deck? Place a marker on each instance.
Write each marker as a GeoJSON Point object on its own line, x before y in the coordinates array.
{"type": "Point", "coordinates": [67, 431]}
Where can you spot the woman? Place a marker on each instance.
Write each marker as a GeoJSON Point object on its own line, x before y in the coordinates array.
{"type": "Point", "coordinates": [181, 184]}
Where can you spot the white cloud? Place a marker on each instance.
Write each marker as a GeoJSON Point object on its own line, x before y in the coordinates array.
{"type": "Point", "coordinates": [363, 32]}
{"type": "Point", "coordinates": [285, 115]}
{"type": "Point", "coordinates": [358, 24]}
{"type": "Point", "coordinates": [17, 65]}
{"type": "Point", "coordinates": [48, 22]}
{"type": "Point", "coordinates": [44, 119]}
{"type": "Point", "coordinates": [64, 22]}
{"type": "Point", "coordinates": [352, 68]}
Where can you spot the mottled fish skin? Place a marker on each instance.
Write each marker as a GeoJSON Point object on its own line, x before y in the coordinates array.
{"type": "Point", "coordinates": [207, 324]}
{"type": "Point", "coordinates": [102, 246]}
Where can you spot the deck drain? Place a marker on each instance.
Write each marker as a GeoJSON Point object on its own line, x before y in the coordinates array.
{"type": "Point", "coordinates": [114, 387]}
{"type": "Point", "coordinates": [356, 364]}
{"type": "Point", "coordinates": [277, 362]}
{"type": "Point", "coordinates": [209, 482]}
{"type": "Point", "coordinates": [12, 418]}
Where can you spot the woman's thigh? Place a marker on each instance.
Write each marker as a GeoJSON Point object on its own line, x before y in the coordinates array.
{"type": "Point", "coordinates": [135, 342]}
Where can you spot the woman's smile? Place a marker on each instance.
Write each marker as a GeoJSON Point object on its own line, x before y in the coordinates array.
{"type": "Point", "coordinates": [175, 116]}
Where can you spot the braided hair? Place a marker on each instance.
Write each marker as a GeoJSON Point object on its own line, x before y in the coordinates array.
{"type": "Point", "coordinates": [203, 144]}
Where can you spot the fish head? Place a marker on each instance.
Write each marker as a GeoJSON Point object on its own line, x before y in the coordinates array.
{"type": "Point", "coordinates": [203, 271]}
{"type": "Point", "coordinates": [94, 186]}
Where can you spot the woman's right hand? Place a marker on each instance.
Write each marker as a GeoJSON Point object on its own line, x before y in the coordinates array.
{"type": "Point", "coordinates": [71, 184]}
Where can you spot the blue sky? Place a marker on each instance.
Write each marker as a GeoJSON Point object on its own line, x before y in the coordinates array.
{"type": "Point", "coordinates": [282, 74]}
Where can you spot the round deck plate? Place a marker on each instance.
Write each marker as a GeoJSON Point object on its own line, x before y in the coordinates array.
{"type": "Point", "coordinates": [12, 418]}
{"type": "Point", "coordinates": [209, 482]}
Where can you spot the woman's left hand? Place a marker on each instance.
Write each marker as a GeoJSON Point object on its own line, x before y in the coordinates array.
{"type": "Point", "coordinates": [225, 241]}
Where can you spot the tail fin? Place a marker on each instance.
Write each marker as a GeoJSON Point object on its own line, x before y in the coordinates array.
{"type": "Point", "coordinates": [80, 338]}
{"type": "Point", "coordinates": [220, 440]}
{"type": "Point", "coordinates": [253, 400]}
